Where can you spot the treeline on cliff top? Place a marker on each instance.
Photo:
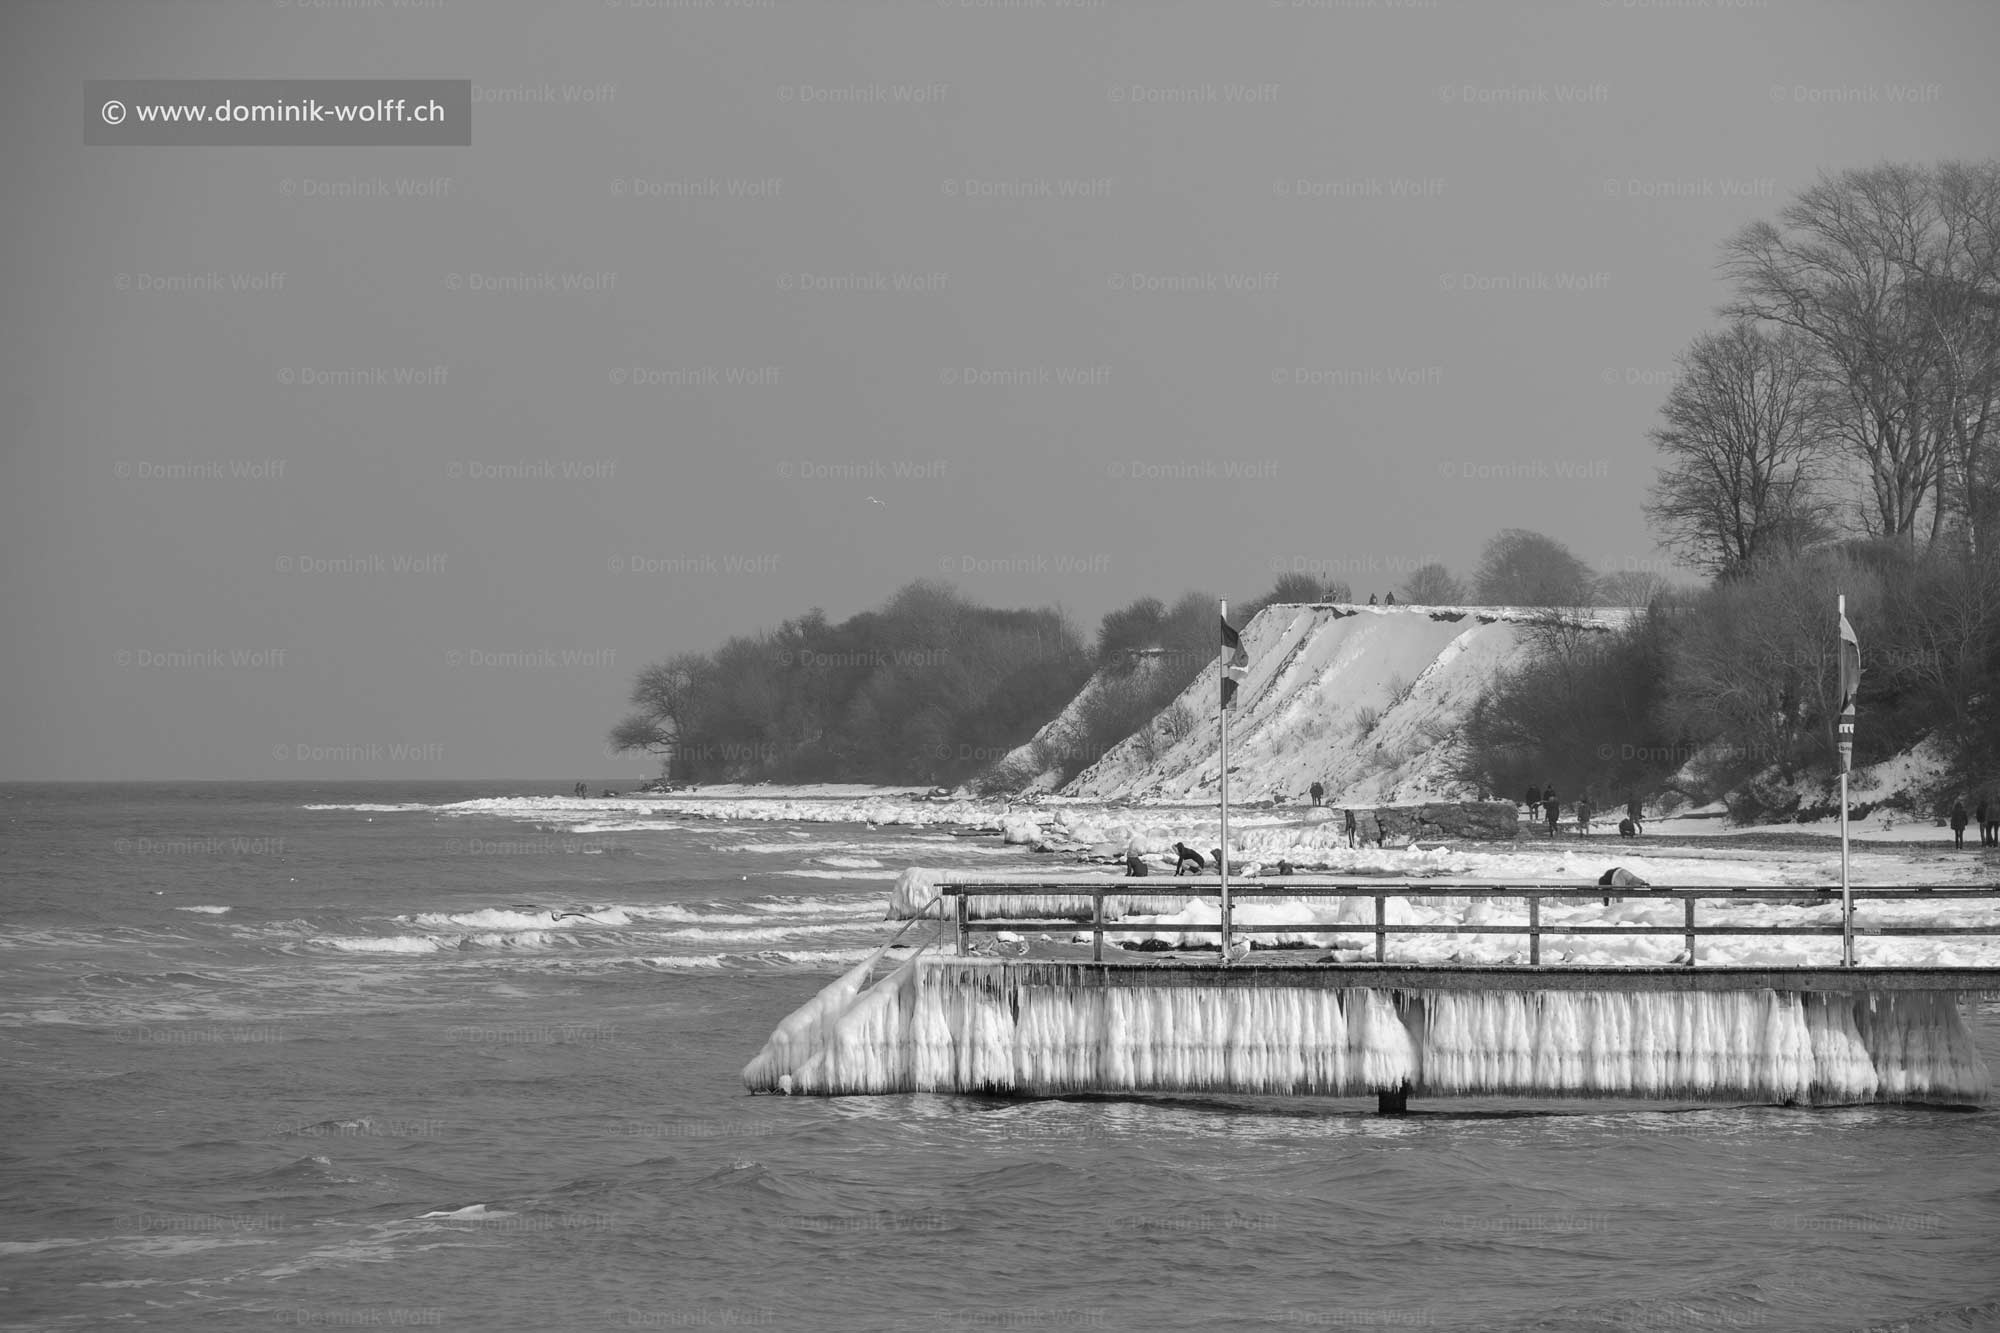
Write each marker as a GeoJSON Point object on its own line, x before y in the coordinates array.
{"type": "Point", "coordinates": [930, 688]}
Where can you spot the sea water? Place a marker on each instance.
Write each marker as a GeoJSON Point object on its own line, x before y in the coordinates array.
{"type": "Point", "coordinates": [417, 1054]}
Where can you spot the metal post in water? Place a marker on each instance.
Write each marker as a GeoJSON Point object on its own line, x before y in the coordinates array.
{"type": "Point", "coordinates": [1844, 731]}
{"type": "Point", "coordinates": [1222, 715]}
{"type": "Point", "coordinates": [1846, 892]}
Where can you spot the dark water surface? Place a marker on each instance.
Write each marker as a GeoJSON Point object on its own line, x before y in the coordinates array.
{"type": "Point", "coordinates": [463, 1061]}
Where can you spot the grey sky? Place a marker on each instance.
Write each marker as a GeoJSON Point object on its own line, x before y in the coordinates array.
{"type": "Point", "coordinates": [1484, 229]}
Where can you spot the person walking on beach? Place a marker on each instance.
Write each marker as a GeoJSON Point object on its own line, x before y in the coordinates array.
{"type": "Point", "coordinates": [1318, 794]}
{"type": "Point", "coordinates": [1985, 816]}
{"type": "Point", "coordinates": [1958, 824]}
{"type": "Point", "coordinates": [1551, 809]}
{"type": "Point", "coordinates": [1534, 800]}
{"type": "Point", "coordinates": [1583, 817]}
{"type": "Point", "coordinates": [1348, 828]}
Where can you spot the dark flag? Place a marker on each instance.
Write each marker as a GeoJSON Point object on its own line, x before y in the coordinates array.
{"type": "Point", "coordinates": [1850, 685]}
{"type": "Point", "coordinates": [1237, 669]}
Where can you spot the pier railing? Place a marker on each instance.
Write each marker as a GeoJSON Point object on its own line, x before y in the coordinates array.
{"type": "Point", "coordinates": [1534, 894]}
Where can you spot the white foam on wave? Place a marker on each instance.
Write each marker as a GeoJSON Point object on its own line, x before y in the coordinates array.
{"type": "Point", "coordinates": [493, 918]}
{"type": "Point", "coordinates": [840, 874]}
{"type": "Point", "coordinates": [678, 962]}
{"type": "Point", "coordinates": [628, 826]}
{"type": "Point", "coordinates": [211, 911]}
{"type": "Point", "coordinates": [869, 906]}
{"type": "Point", "coordinates": [37, 1246]}
{"type": "Point", "coordinates": [762, 932]}
{"type": "Point", "coordinates": [851, 862]}
{"type": "Point", "coordinates": [374, 809]}
{"type": "Point", "coordinates": [379, 943]}
{"type": "Point", "coordinates": [471, 1212]}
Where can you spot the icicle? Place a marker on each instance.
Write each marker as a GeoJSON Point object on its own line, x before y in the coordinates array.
{"type": "Point", "coordinates": [984, 1025]}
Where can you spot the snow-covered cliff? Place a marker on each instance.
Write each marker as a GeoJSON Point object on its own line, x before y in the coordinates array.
{"type": "Point", "coordinates": [1365, 699]}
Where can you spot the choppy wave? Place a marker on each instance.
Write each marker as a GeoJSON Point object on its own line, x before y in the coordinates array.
{"type": "Point", "coordinates": [378, 943]}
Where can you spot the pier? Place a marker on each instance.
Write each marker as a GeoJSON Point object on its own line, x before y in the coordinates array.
{"type": "Point", "coordinates": [1270, 1022]}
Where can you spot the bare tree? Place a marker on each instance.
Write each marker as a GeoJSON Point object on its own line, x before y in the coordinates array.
{"type": "Point", "coordinates": [1433, 585]}
{"type": "Point", "coordinates": [1742, 440]}
{"type": "Point", "coordinates": [1878, 270]}
{"type": "Point", "coordinates": [1957, 292]}
{"type": "Point", "coordinates": [1630, 587]}
{"type": "Point", "coordinates": [666, 695]}
{"type": "Point", "coordinates": [1521, 568]}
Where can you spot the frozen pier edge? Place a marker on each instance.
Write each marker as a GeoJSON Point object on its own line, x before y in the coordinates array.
{"type": "Point", "coordinates": [1805, 1035]}
{"type": "Point", "coordinates": [1814, 1035]}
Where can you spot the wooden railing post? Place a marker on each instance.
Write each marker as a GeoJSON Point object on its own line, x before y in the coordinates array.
{"type": "Point", "coordinates": [1381, 920]}
{"type": "Point", "coordinates": [1535, 932]}
{"type": "Point", "coordinates": [1689, 928]}
{"type": "Point", "coordinates": [962, 908]}
{"type": "Point", "coordinates": [1097, 925]}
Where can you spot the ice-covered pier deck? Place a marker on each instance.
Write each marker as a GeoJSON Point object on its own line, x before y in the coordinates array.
{"type": "Point", "coordinates": [1265, 1022]}
{"type": "Point", "coordinates": [1264, 972]}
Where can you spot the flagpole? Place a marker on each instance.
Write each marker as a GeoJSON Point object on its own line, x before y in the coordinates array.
{"type": "Point", "coordinates": [1845, 733]}
{"type": "Point", "coordinates": [1222, 717]}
